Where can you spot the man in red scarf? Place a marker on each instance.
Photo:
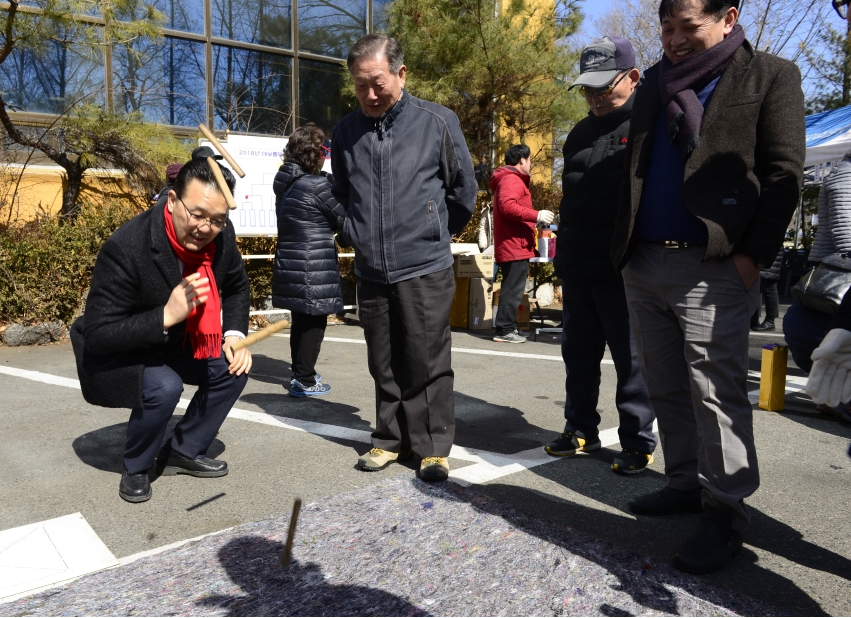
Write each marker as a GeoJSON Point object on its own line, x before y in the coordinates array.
{"type": "Point", "coordinates": [169, 297]}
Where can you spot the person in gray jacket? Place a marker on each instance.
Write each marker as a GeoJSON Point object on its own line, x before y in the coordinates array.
{"type": "Point", "coordinates": [834, 213]}
{"type": "Point", "coordinates": [405, 178]}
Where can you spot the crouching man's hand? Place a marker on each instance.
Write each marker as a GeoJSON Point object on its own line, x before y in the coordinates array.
{"type": "Point", "coordinates": [189, 294]}
{"type": "Point", "coordinates": [239, 361]}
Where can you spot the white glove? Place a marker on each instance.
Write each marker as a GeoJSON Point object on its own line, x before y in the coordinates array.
{"type": "Point", "coordinates": [830, 380]}
{"type": "Point", "coordinates": [545, 216]}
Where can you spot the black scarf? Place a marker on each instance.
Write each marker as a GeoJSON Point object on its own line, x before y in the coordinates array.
{"type": "Point", "coordinates": [679, 84]}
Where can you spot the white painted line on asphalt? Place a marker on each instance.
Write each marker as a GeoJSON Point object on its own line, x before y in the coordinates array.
{"type": "Point", "coordinates": [318, 429]}
{"type": "Point", "coordinates": [548, 357]}
{"type": "Point", "coordinates": [495, 465]}
{"type": "Point", "coordinates": [40, 377]}
{"type": "Point", "coordinates": [46, 553]}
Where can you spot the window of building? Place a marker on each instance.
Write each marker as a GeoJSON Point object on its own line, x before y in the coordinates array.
{"type": "Point", "coordinates": [164, 81]}
{"type": "Point", "coordinates": [251, 91]}
{"type": "Point", "coordinates": [321, 94]}
{"type": "Point", "coordinates": [330, 28]}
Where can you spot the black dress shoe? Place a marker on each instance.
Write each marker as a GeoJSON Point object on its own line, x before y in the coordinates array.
{"type": "Point", "coordinates": [712, 545]}
{"type": "Point", "coordinates": [135, 487]}
{"type": "Point", "coordinates": [768, 325]}
{"type": "Point", "coordinates": [667, 501]}
{"type": "Point", "coordinates": [203, 467]}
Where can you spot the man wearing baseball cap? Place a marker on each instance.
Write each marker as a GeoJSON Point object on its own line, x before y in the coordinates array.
{"type": "Point", "coordinates": [595, 308]}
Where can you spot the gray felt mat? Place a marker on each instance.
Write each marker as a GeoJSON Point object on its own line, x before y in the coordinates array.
{"type": "Point", "coordinates": [400, 548]}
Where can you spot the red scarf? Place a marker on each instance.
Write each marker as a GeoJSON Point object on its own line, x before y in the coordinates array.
{"type": "Point", "coordinates": [204, 322]}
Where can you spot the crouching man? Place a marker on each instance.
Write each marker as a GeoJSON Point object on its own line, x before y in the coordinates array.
{"type": "Point", "coordinates": [165, 286]}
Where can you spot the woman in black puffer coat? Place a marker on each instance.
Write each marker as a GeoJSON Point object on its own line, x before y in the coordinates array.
{"type": "Point", "coordinates": [306, 277]}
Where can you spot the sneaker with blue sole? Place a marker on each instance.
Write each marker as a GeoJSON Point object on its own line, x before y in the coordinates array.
{"type": "Point", "coordinates": [297, 389]}
{"type": "Point", "coordinates": [316, 377]}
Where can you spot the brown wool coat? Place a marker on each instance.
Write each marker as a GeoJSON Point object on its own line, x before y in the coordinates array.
{"type": "Point", "coordinates": [744, 179]}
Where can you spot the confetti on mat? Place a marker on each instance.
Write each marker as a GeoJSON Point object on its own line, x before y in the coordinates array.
{"type": "Point", "coordinates": [398, 548]}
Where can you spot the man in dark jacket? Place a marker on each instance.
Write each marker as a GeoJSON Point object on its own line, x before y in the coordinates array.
{"type": "Point", "coordinates": [514, 222]}
{"type": "Point", "coordinates": [405, 177]}
{"type": "Point", "coordinates": [595, 310]}
{"type": "Point", "coordinates": [164, 287]}
{"type": "Point", "coordinates": [713, 170]}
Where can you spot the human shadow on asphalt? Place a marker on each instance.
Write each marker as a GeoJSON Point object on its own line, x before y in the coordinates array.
{"type": "Point", "coordinates": [315, 409]}
{"type": "Point", "coordinates": [104, 448]}
{"type": "Point", "coordinates": [660, 537]}
{"type": "Point", "coordinates": [487, 426]}
{"type": "Point", "coordinates": [269, 370]}
{"type": "Point", "coordinates": [268, 589]}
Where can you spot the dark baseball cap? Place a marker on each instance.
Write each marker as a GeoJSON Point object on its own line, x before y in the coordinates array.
{"type": "Point", "coordinates": [202, 152]}
{"type": "Point", "coordinates": [603, 60]}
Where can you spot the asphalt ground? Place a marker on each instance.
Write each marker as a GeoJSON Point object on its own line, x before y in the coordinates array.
{"type": "Point", "coordinates": [61, 456]}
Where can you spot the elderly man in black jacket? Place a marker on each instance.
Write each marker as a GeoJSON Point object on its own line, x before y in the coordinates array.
{"type": "Point", "coordinates": [164, 288]}
{"type": "Point", "coordinates": [595, 311]}
{"type": "Point", "coordinates": [405, 177]}
{"type": "Point", "coordinates": [713, 170]}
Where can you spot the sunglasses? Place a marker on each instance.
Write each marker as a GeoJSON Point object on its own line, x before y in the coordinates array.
{"type": "Point", "coordinates": [603, 92]}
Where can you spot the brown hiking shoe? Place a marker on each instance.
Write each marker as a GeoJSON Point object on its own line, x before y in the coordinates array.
{"type": "Point", "coordinates": [434, 468]}
{"type": "Point", "coordinates": [378, 459]}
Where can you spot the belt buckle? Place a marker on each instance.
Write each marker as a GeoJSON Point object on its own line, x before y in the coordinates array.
{"type": "Point", "coordinates": [673, 244]}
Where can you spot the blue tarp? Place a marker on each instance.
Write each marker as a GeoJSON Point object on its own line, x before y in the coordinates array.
{"type": "Point", "coordinates": [828, 136]}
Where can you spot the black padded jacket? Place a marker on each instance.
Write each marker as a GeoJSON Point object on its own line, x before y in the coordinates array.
{"type": "Point", "coordinates": [594, 155]}
{"type": "Point", "coordinates": [306, 277]}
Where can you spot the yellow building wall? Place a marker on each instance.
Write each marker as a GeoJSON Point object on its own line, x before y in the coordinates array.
{"type": "Point", "coordinates": [36, 190]}
{"type": "Point", "coordinates": [539, 144]}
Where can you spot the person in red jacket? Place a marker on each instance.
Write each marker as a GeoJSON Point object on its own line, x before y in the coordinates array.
{"type": "Point", "coordinates": [514, 222]}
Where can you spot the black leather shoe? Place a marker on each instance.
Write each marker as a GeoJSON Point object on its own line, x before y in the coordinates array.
{"type": "Point", "coordinates": [667, 501]}
{"type": "Point", "coordinates": [135, 487]}
{"type": "Point", "coordinates": [203, 467]}
{"type": "Point", "coordinates": [712, 545]}
{"type": "Point", "coordinates": [768, 325]}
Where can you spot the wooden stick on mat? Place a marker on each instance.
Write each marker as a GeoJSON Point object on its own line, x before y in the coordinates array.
{"type": "Point", "coordinates": [287, 553]}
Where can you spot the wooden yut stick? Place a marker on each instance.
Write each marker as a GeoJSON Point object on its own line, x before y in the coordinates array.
{"type": "Point", "coordinates": [260, 335]}
{"type": "Point", "coordinates": [215, 142]}
{"type": "Point", "coordinates": [220, 180]}
{"type": "Point", "coordinates": [287, 553]}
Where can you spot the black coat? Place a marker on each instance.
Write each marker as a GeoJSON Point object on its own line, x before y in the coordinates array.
{"type": "Point", "coordinates": [135, 273]}
{"type": "Point", "coordinates": [744, 179]}
{"type": "Point", "coordinates": [594, 155]}
{"type": "Point", "coordinates": [306, 276]}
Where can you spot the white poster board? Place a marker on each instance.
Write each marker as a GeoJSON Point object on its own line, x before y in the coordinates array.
{"type": "Point", "coordinates": [260, 158]}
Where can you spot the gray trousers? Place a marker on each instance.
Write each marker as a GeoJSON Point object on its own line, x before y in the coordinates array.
{"type": "Point", "coordinates": [691, 321]}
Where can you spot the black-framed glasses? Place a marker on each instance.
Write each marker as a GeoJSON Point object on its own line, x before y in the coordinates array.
{"type": "Point", "coordinates": [585, 91]}
{"type": "Point", "coordinates": [198, 220]}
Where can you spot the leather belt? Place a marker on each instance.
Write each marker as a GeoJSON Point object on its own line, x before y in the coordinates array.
{"type": "Point", "coordinates": [676, 244]}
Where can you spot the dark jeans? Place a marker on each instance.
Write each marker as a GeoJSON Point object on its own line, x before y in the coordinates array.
{"type": "Point", "coordinates": [408, 340]}
{"type": "Point", "coordinates": [162, 386]}
{"type": "Point", "coordinates": [514, 276]}
{"type": "Point", "coordinates": [595, 315]}
{"type": "Point", "coordinates": [306, 335]}
{"type": "Point", "coordinates": [768, 292]}
{"type": "Point", "coordinates": [804, 330]}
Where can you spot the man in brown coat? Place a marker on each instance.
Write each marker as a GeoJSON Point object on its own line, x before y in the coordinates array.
{"type": "Point", "coordinates": [715, 157]}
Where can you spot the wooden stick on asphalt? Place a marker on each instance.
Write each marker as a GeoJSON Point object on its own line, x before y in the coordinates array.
{"type": "Point", "coordinates": [215, 142]}
{"type": "Point", "coordinates": [220, 180]}
{"type": "Point", "coordinates": [287, 553]}
{"type": "Point", "coordinates": [260, 335]}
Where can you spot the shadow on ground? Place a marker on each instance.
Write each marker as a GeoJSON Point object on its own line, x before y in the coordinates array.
{"type": "Point", "coordinates": [299, 590]}
{"type": "Point", "coordinates": [104, 448]}
{"type": "Point", "coordinates": [661, 537]}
